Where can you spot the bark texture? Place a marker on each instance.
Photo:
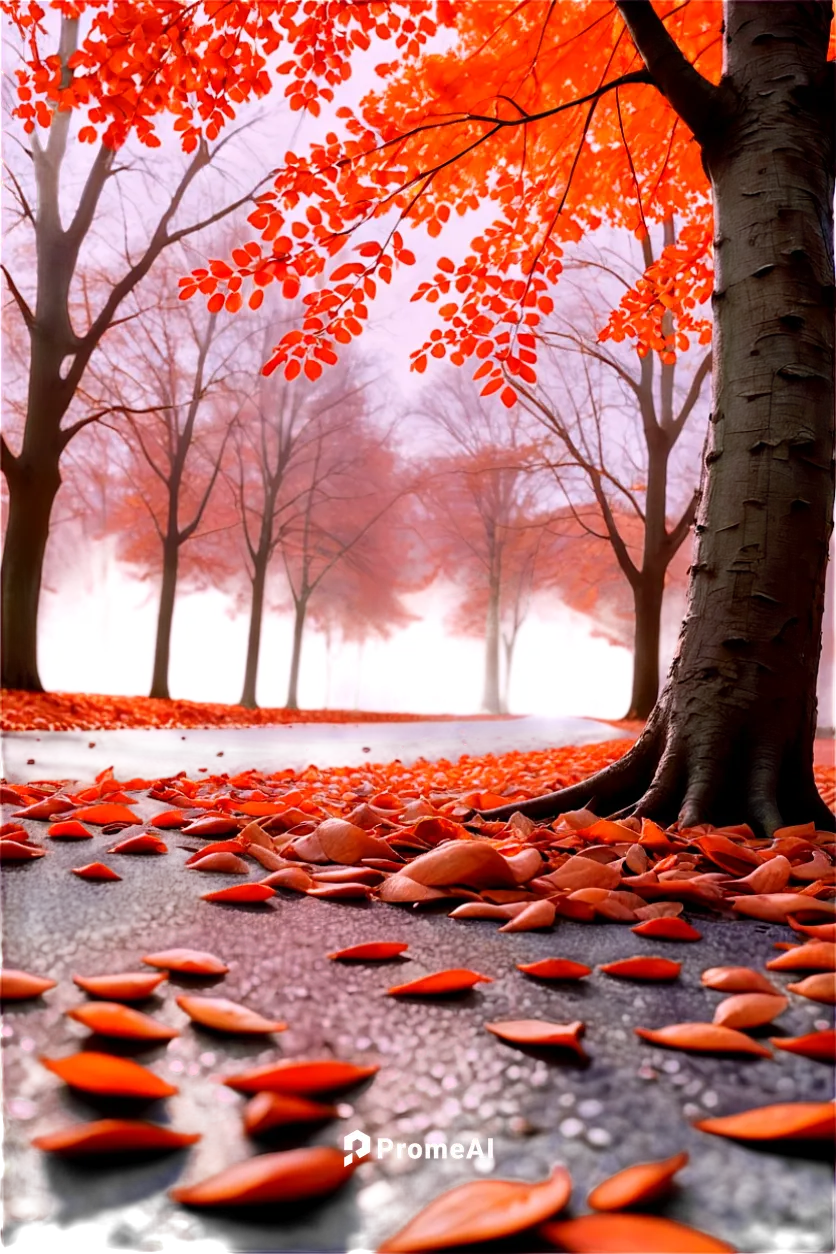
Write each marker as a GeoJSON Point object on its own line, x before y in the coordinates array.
{"type": "Point", "coordinates": [731, 738]}
{"type": "Point", "coordinates": [296, 655]}
{"type": "Point", "coordinates": [258, 582]}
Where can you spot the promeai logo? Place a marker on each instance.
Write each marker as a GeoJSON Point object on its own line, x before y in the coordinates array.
{"type": "Point", "coordinates": [358, 1145]}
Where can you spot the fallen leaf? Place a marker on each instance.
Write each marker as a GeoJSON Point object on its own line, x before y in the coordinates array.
{"type": "Point", "coordinates": [775, 907]}
{"type": "Point", "coordinates": [820, 987]}
{"type": "Point", "coordinates": [816, 955]}
{"type": "Point", "coordinates": [637, 1185]}
{"type": "Point", "coordinates": [371, 951]}
{"type": "Point", "coordinates": [299, 1075]}
{"type": "Point", "coordinates": [630, 1234]}
{"type": "Point", "coordinates": [169, 818]}
{"type": "Point", "coordinates": [340, 892]}
{"type": "Point", "coordinates": [473, 863]}
{"type": "Point", "coordinates": [749, 1010]}
{"type": "Point", "coordinates": [223, 1015]}
{"type": "Point", "coordinates": [666, 928]}
{"type": "Point", "coordinates": [289, 1176]}
{"type": "Point", "coordinates": [703, 1038]}
{"type": "Point", "coordinates": [101, 815]}
{"type": "Point", "coordinates": [109, 1018]}
{"type": "Point", "coordinates": [819, 931]}
{"type": "Point", "coordinates": [20, 985]}
{"type": "Point", "coordinates": [187, 962]}
{"type": "Point", "coordinates": [275, 1110]}
{"type": "Point", "coordinates": [481, 1210]}
{"type": "Point", "coordinates": [539, 1032]}
{"type": "Point", "coordinates": [69, 829]}
{"type": "Point", "coordinates": [769, 877]}
{"type": "Point", "coordinates": [487, 910]}
{"type": "Point", "coordinates": [44, 809]}
{"type": "Point", "coordinates": [787, 1121]}
{"type": "Point", "coordinates": [293, 878]}
{"type": "Point", "coordinates": [818, 1045]}
{"type": "Point", "coordinates": [108, 1076]}
{"type": "Point", "coordinates": [226, 863]}
{"type": "Point", "coordinates": [400, 889]}
{"type": "Point", "coordinates": [212, 825]}
{"type": "Point", "coordinates": [251, 892]}
{"type": "Point", "coordinates": [555, 969]}
{"type": "Point", "coordinates": [658, 969]}
{"type": "Point", "coordinates": [454, 980]}
{"type": "Point", "coordinates": [134, 986]}
{"type": "Point", "coordinates": [17, 851]}
{"type": "Point", "coordinates": [343, 842]}
{"type": "Point", "coordinates": [113, 1136]}
{"type": "Point", "coordinates": [580, 872]}
{"type": "Point", "coordinates": [95, 871]}
{"type": "Point", "coordinates": [737, 980]}
{"type": "Point", "coordinates": [539, 914]}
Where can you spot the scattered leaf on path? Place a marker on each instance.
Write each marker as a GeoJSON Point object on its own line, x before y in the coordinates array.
{"type": "Point", "coordinates": [371, 951]}
{"type": "Point", "coordinates": [109, 1018]}
{"type": "Point", "coordinates": [634, 1186]}
{"type": "Point", "coordinates": [69, 829]}
{"type": "Point", "coordinates": [113, 1136]}
{"type": "Point", "coordinates": [820, 987]}
{"type": "Point", "coordinates": [555, 969]}
{"type": "Point", "coordinates": [220, 863]}
{"type": "Point", "coordinates": [142, 843]}
{"type": "Point", "coordinates": [18, 851]}
{"type": "Point", "coordinates": [300, 1075]}
{"type": "Point", "coordinates": [539, 1032]}
{"type": "Point", "coordinates": [630, 1234]}
{"type": "Point", "coordinates": [787, 1121]}
{"type": "Point", "coordinates": [540, 914]}
{"type": "Point", "coordinates": [737, 980]}
{"type": "Point", "coordinates": [108, 1076]}
{"type": "Point", "coordinates": [102, 815]}
{"type": "Point", "coordinates": [187, 962]}
{"type": "Point", "coordinates": [95, 871]}
{"type": "Point", "coordinates": [227, 1016]}
{"type": "Point", "coordinates": [703, 1038]}
{"type": "Point", "coordinates": [750, 1010]}
{"type": "Point", "coordinates": [657, 969]}
{"type": "Point", "coordinates": [816, 955]}
{"type": "Point", "coordinates": [456, 980]}
{"type": "Point", "coordinates": [274, 1110]}
{"type": "Point", "coordinates": [20, 985]}
{"type": "Point", "coordinates": [667, 928]}
{"type": "Point", "coordinates": [289, 1176]}
{"type": "Point", "coordinates": [133, 986]}
{"type": "Point", "coordinates": [818, 1045]}
{"type": "Point", "coordinates": [252, 892]}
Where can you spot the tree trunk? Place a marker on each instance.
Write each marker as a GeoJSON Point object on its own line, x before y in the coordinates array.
{"type": "Point", "coordinates": [296, 656]}
{"type": "Point", "coordinates": [731, 738]}
{"type": "Point", "coordinates": [32, 490]}
{"type": "Point", "coordinates": [490, 694]}
{"type": "Point", "coordinates": [509, 642]}
{"type": "Point", "coordinates": [165, 616]}
{"type": "Point", "coordinates": [254, 639]}
{"type": "Point", "coordinates": [647, 603]}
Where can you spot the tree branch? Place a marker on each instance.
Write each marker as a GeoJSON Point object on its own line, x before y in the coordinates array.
{"type": "Point", "coordinates": [691, 399]}
{"type": "Point", "coordinates": [20, 300]}
{"type": "Point", "coordinates": [680, 530]}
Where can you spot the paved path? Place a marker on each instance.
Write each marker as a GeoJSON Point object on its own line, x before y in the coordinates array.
{"type": "Point", "coordinates": [440, 1071]}
{"type": "Point", "coordinates": [154, 752]}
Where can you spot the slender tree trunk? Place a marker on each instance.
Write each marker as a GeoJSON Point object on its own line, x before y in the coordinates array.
{"type": "Point", "coordinates": [32, 490]}
{"type": "Point", "coordinates": [508, 643]}
{"type": "Point", "coordinates": [731, 737]}
{"type": "Point", "coordinates": [647, 603]}
{"type": "Point", "coordinates": [165, 616]}
{"type": "Point", "coordinates": [490, 697]}
{"type": "Point", "coordinates": [254, 639]}
{"type": "Point", "coordinates": [296, 656]}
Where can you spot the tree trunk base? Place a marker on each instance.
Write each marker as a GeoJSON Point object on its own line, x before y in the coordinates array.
{"type": "Point", "coordinates": [696, 775]}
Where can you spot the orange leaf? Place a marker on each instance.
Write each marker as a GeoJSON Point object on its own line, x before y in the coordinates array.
{"type": "Point", "coordinates": [215, 825]}
{"type": "Point", "coordinates": [371, 951]}
{"type": "Point", "coordinates": [630, 1234]}
{"type": "Point", "coordinates": [290, 1176]}
{"type": "Point", "coordinates": [787, 1121]}
{"type": "Point", "coordinates": [540, 1032]}
{"type": "Point", "coordinates": [95, 871]}
{"type": "Point", "coordinates": [19, 985]}
{"type": "Point", "coordinates": [673, 929]}
{"type": "Point", "coordinates": [818, 1045]}
{"type": "Point", "coordinates": [455, 980]}
{"type": "Point", "coordinates": [482, 1210]}
{"type": "Point", "coordinates": [749, 1010]}
{"type": "Point", "coordinates": [643, 969]}
{"type": "Point", "coordinates": [821, 987]}
{"type": "Point", "coordinates": [775, 907]}
{"type": "Point", "coordinates": [579, 872]}
{"type": "Point", "coordinates": [290, 877]}
{"type": "Point", "coordinates": [555, 969]}
{"type": "Point", "coordinates": [113, 1136]}
{"type": "Point", "coordinates": [344, 842]}
{"type": "Point", "coordinates": [131, 987]}
{"type": "Point", "coordinates": [645, 1182]}
{"type": "Point", "coordinates": [820, 931]}
{"type": "Point", "coordinates": [241, 892]}
{"type": "Point", "coordinates": [703, 1038]}
{"type": "Point", "coordinates": [340, 892]}
{"type": "Point", "coordinates": [227, 1016]}
{"type": "Point", "coordinates": [110, 1077]}
{"type": "Point", "coordinates": [143, 843]}
{"type": "Point", "coordinates": [187, 962]}
{"type": "Point", "coordinates": [539, 914]}
{"type": "Point", "coordinates": [227, 863]}
{"type": "Point", "coordinates": [14, 851]}
{"type": "Point", "coordinates": [275, 1110]}
{"type": "Point", "coordinates": [737, 980]}
{"type": "Point", "coordinates": [101, 815]}
{"type": "Point", "coordinates": [169, 818]}
{"type": "Point", "coordinates": [218, 846]}
{"type": "Point", "coordinates": [816, 955]}
{"type": "Point", "coordinates": [473, 863]}
{"type": "Point", "coordinates": [109, 1018]}
{"type": "Point", "coordinates": [300, 1076]}
{"type": "Point", "coordinates": [69, 829]}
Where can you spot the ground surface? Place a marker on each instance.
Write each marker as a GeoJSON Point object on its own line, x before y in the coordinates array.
{"type": "Point", "coordinates": [440, 1070]}
{"type": "Point", "coordinates": [151, 752]}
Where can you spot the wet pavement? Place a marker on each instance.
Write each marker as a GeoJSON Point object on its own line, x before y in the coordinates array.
{"type": "Point", "coordinates": [441, 1074]}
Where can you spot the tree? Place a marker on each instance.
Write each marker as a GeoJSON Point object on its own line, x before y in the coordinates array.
{"type": "Point", "coordinates": [576, 413]}
{"type": "Point", "coordinates": [561, 117]}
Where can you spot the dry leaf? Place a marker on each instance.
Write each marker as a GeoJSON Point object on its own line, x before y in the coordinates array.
{"type": "Point", "coordinates": [293, 878]}
{"type": "Point", "coordinates": [299, 1075]}
{"type": "Point", "coordinates": [108, 1076]}
{"type": "Point", "coordinates": [555, 969]}
{"type": "Point", "coordinates": [342, 842]}
{"type": "Point", "coordinates": [703, 1038]}
{"type": "Point", "coordinates": [539, 1032]}
{"type": "Point", "coordinates": [135, 986]}
{"type": "Point", "coordinates": [223, 1015]}
{"type": "Point", "coordinates": [775, 907]}
{"type": "Point", "coordinates": [250, 893]}
{"type": "Point", "coordinates": [102, 815]}
{"type": "Point", "coordinates": [816, 955]}
{"type": "Point", "coordinates": [69, 829]}
{"type": "Point", "coordinates": [290, 1176]}
{"type": "Point", "coordinates": [769, 877]}
{"type": "Point", "coordinates": [487, 910]}
{"type": "Point", "coordinates": [820, 1046]}
{"type": "Point", "coordinates": [630, 1234]}
{"type": "Point", "coordinates": [400, 889]}
{"type": "Point", "coordinates": [637, 1185]}
{"type": "Point", "coordinates": [454, 980]}
{"type": "Point", "coordinates": [657, 969]}
{"type": "Point", "coordinates": [481, 1210]}
{"type": "Point", "coordinates": [95, 871]}
{"type": "Point", "coordinates": [211, 825]}
{"type": "Point", "coordinates": [371, 951]}
{"type": "Point", "coordinates": [109, 1018]}
{"type": "Point", "coordinates": [340, 892]}
{"type": "Point", "coordinates": [579, 872]}
{"type": "Point", "coordinates": [473, 863]}
{"type": "Point", "coordinates": [275, 1110]}
{"type": "Point", "coordinates": [19, 851]}
{"type": "Point", "coordinates": [20, 985]}
{"type": "Point", "coordinates": [539, 914]}
{"type": "Point", "coordinates": [737, 980]}
{"type": "Point", "coordinates": [749, 1010]}
{"type": "Point", "coordinates": [113, 1136]}
{"type": "Point", "coordinates": [787, 1121]}
{"type": "Point", "coordinates": [223, 862]}
{"type": "Point", "coordinates": [819, 931]}
{"type": "Point", "coordinates": [187, 962]}
{"type": "Point", "coordinates": [672, 929]}
{"type": "Point", "coordinates": [144, 842]}
{"type": "Point", "coordinates": [820, 987]}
